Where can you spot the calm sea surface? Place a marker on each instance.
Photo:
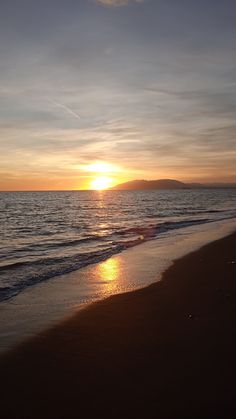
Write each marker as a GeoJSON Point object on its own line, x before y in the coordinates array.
{"type": "Point", "coordinates": [46, 234]}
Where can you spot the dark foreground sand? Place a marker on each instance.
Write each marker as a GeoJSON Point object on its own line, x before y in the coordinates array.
{"type": "Point", "coordinates": [168, 350]}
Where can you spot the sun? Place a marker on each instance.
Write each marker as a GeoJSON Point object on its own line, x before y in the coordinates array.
{"type": "Point", "coordinates": [101, 183]}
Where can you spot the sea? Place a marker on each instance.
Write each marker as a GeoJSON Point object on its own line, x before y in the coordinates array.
{"type": "Point", "coordinates": [49, 234]}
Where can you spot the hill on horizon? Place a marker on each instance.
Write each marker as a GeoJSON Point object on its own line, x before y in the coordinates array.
{"type": "Point", "coordinates": [168, 184]}
{"type": "Point", "coordinates": [151, 184]}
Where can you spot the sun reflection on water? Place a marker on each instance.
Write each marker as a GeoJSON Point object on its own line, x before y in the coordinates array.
{"type": "Point", "coordinates": [109, 270]}
{"type": "Point", "coordinates": [109, 273]}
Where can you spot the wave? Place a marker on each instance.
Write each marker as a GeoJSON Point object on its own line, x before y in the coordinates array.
{"type": "Point", "coordinates": [45, 245]}
{"type": "Point", "coordinates": [31, 272]}
{"type": "Point", "coordinates": [153, 229]}
{"type": "Point", "coordinates": [45, 269]}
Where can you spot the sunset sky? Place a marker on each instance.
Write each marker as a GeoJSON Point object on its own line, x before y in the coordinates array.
{"type": "Point", "coordinates": [116, 89]}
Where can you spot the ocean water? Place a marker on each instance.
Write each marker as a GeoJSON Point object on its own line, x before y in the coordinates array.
{"type": "Point", "coordinates": [47, 234]}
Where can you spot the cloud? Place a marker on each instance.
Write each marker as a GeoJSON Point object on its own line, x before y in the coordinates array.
{"type": "Point", "coordinates": [65, 108]}
{"type": "Point", "coordinates": [118, 2]}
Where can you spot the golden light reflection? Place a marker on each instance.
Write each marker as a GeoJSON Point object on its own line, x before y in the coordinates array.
{"type": "Point", "coordinates": [109, 270]}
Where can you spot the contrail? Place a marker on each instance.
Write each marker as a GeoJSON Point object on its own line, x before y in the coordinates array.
{"type": "Point", "coordinates": [68, 110]}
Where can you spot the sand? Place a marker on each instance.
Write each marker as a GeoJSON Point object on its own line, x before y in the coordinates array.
{"type": "Point", "coordinates": [165, 351]}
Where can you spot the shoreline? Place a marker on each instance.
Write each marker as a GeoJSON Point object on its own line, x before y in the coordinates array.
{"type": "Point", "coordinates": [161, 351]}
{"type": "Point", "coordinates": [44, 305]}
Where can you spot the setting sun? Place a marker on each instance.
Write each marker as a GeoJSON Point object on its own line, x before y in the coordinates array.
{"type": "Point", "coordinates": [101, 183]}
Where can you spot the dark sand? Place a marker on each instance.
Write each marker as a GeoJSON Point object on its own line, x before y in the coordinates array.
{"type": "Point", "coordinates": [168, 350]}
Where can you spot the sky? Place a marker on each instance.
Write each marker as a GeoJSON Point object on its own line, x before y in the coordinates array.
{"type": "Point", "coordinates": [138, 89]}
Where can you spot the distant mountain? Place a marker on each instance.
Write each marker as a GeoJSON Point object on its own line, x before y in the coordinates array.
{"type": "Point", "coordinates": [168, 184]}
{"type": "Point", "coordinates": [151, 184]}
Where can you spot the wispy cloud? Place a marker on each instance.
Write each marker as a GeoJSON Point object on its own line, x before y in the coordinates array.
{"type": "Point", "coordinates": [118, 2]}
{"type": "Point", "coordinates": [65, 108]}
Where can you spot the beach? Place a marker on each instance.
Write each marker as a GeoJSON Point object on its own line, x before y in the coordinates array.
{"type": "Point", "coordinates": [164, 351]}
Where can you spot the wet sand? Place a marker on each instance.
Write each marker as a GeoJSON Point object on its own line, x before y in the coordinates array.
{"type": "Point", "coordinates": [165, 351]}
